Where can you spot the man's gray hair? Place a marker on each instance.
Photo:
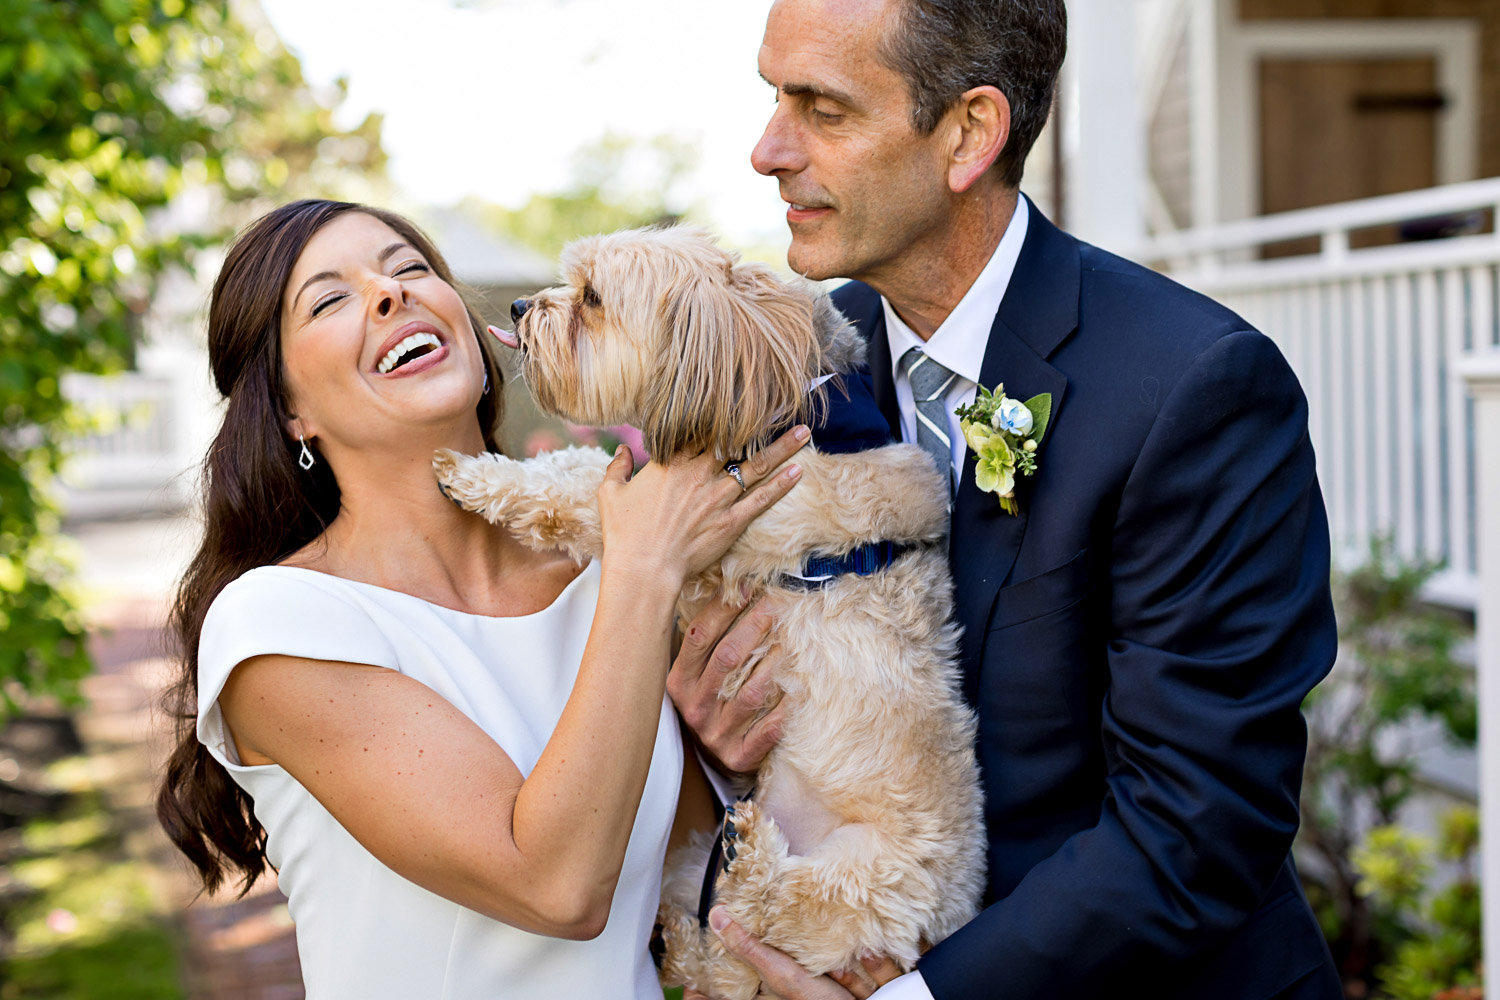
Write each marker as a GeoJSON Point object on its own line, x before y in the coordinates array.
{"type": "Point", "coordinates": [945, 47]}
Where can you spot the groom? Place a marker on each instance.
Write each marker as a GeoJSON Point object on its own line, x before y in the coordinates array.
{"type": "Point", "coordinates": [1139, 637]}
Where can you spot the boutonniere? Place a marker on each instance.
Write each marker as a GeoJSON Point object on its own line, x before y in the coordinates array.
{"type": "Point", "coordinates": [1004, 433]}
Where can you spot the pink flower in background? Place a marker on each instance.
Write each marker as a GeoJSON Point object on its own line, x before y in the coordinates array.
{"type": "Point", "coordinates": [608, 437]}
{"type": "Point", "coordinates": [587, 436]}
{"type": "Point", "coordinates": [544, 439]}
{"type": "Point", "coordinates": [62, 921]}
{"type": "Point", "coordinates": [632, 439]}
{"type": "Point", "coordinates": [547, 439]}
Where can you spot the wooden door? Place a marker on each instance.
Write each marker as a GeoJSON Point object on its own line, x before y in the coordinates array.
{"type": "Point", "coordinates": [1334, 130]}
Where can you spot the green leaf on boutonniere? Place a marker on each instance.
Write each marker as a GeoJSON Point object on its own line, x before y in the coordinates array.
{"type": "Point", "coordinates": [1041, 412]}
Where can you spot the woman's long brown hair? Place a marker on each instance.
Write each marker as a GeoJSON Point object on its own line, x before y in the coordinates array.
{"type": "Point", "coordinates": [258, 508]}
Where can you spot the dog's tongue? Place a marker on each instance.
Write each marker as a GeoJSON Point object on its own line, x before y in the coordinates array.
{"type": "Point", "coordinates": [506, 337]}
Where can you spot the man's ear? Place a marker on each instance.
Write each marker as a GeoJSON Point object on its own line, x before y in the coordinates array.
{"type": "Point", "coordinates": [982, 117]}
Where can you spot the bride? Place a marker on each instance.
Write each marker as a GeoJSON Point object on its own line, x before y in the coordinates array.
{"type": "Point", "coordinates": [456, 752]}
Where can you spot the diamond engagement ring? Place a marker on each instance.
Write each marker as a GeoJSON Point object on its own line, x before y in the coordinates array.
{"type": "Point", "coordinates": [734, 470]}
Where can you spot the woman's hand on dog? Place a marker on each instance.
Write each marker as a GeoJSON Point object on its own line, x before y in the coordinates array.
{"type": "Point", "coordinates": [783, 979]}
{"type": "Point", "coordinates": [672, 520]}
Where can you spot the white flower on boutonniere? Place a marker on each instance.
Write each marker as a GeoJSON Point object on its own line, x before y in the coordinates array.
{"type": "Point", "coordinates": [1004, 434]}
{"type": "Point", "coordinates": [1013, 416]}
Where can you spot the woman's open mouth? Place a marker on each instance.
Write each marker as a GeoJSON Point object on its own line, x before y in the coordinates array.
{"type": "Point", "coordinates": [416, 346]}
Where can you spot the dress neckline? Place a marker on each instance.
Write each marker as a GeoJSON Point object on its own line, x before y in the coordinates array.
{"type": "Point", "coordinates": [556, 601]}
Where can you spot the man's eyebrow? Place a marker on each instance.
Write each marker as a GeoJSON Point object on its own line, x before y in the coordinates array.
{"type": "Point", "coordinates": [810, 90]}
{"type": "Point", "coordinates": [817, 90]}
{"type": "Point", "coordinates": [385, 255]}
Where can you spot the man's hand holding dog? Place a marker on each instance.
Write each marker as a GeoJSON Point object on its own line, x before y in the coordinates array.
{"type": "Point", "coordinates": [735, 733]}
{"type": "Point", "coordinates": [783, 979]}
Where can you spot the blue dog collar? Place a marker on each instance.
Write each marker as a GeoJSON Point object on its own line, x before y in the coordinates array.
{"type": "Point", "coordinates": [818, 572]}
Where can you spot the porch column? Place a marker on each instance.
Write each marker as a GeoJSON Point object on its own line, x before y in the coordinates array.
{"type": "Point", "coordinates": [1482, 373]}
{"type": "Point", "coordinates": [1107, 157]}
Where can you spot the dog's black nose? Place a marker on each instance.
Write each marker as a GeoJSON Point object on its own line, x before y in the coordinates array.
{"type": "Point", "coordinates": [518, 309]}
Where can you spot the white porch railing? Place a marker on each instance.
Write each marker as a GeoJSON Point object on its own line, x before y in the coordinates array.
{"type": "Point", "coordinates": [1378, 338]}
{"type": "Point", "coordinates": [134, 433]}
{"type": "Point", "coordinates": [137, 456]}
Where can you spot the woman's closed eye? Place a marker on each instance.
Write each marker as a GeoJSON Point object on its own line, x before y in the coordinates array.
{"type": "Point", "coordinates": [323, 304]}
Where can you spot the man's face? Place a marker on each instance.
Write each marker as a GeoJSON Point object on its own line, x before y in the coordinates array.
{"type": "Point", "coordinates": [862, 185]}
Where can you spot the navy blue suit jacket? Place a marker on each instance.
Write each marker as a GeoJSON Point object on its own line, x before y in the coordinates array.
{"type": "Point", "coordinates": [1137, 642]}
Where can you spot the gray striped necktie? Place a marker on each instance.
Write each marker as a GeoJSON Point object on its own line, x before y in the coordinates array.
{"type": "Point", "coordinates": [929, 382]}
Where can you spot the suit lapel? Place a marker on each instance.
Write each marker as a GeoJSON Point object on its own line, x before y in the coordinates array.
{"type": "Point", "coordinates": [1038, 313]}
{"type": "Point", "coordinates": [983, 540]}
{"type": "Point", "coordinates": [880, 371]}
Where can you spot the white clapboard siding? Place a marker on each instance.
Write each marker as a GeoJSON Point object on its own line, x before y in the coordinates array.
{"type": "Point", "coordinates": [1377, 337]}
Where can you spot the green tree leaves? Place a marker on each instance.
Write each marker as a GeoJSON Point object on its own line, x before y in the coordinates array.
{"type": "Point", "coordinates": [110, 110]}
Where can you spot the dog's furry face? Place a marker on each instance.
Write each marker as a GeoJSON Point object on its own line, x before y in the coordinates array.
{"type": "Point", "coordinates": [664, 330]}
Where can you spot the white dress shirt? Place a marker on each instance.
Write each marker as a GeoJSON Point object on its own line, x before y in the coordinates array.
{"type": "Point", "coordinates": [958, 345]}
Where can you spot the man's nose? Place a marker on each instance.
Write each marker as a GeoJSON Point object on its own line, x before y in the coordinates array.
{"type": "Point", "coordinates": [518, 309]}
{"type": "Point", "coordinates": [776, 150]}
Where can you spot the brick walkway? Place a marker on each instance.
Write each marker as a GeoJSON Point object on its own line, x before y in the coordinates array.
{"type": "Point", "coordinates": [234, 949]}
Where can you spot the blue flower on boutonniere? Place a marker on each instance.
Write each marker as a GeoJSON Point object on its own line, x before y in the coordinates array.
{"type": "Point", "coordinates": [1004, 433]}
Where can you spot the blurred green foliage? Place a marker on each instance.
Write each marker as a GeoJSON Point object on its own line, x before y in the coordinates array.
{"type": "Point", "coordinates": [1440, 951]}
{"type": "Point", "coordinates": [616, 183]}
{"type": "Point", "coordinates": [1397, 689]}
{"type": "Point", "coordinates": [83, 918]}
{"type": "Point", "coordinates": [110, 109]}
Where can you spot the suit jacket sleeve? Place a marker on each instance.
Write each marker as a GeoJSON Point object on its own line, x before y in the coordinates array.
{"type": "Point", "coordinates": [1220, 622]}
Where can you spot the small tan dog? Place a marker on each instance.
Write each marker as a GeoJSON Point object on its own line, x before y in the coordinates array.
{"type": "Point", "coordinates": [865, 832]}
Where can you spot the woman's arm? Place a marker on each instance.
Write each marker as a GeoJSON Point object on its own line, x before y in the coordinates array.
{"type": "Point", "coordinates": [433, 797]}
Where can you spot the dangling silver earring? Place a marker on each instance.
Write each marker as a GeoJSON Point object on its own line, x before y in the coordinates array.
{"type": "Point", "coordinates": [306, 458]}
{"type": "Point", "coordinates": [486, 391]}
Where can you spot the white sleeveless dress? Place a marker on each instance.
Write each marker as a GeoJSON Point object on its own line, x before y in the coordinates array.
{"type": "Point", "coordinates": [364, 932]}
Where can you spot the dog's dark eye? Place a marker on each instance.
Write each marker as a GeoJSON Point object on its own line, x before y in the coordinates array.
{"type": "Point", "coordinates": [591, 297]}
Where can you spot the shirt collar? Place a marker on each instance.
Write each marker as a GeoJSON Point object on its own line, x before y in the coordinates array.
{"type": "Point", "coordinates": [958, 344]}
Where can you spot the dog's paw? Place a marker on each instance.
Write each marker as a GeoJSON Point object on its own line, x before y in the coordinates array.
{"type": "Point", "coordinates": [730, 978]}
{"type": "Point", "coordinates": [484, 484]}
{"type": "Point", "coordinates": [456, 478]}
{"type": "Point", "coordinates": [755, 852]}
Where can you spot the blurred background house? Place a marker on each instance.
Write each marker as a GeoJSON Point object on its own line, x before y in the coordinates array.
{"type": "Point", "coordinates": [1328, 168]}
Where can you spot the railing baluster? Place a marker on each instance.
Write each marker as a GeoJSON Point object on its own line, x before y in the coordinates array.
{"type": "Point", "coordinates": [1429, 344]}
{"type": "Point", "coordinates": [1357, 324]}
{"type": "Point", "coordinates": [1306, 304]}
{"type": "Point", "coordinates": [1386, 409]}
{"type": "Point", "coordinates": [1338, 419]}
{"type": "Point", "coordinates": [1410, 418]}
{"type": "Point", "coordinates": [1292, 339]}
{"type": "Point", "coordinates": [1482, 299]}
{"type": "Point", "coordinates": [1457, 486]}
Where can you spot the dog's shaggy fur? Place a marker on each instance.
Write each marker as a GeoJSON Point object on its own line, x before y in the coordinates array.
{"type": "Point", "coordinates": [865, 834]}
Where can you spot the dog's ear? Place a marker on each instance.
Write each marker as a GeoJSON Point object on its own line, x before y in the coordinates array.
{"type": "Point", "coordinates": [738, 354]}
{"type": "Point", "coordinates": [843, 347]}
